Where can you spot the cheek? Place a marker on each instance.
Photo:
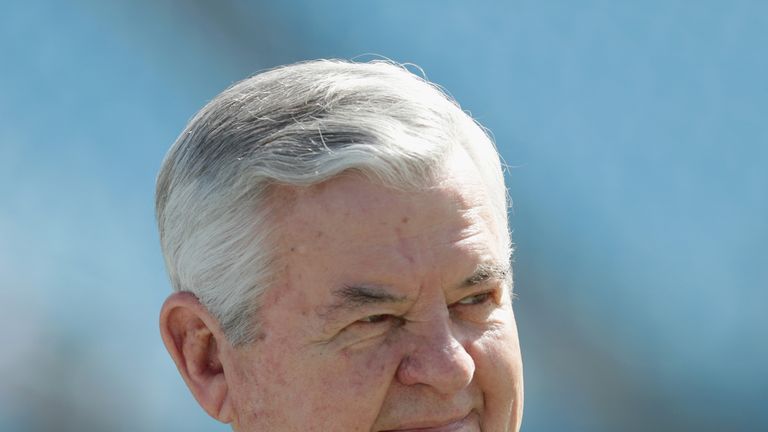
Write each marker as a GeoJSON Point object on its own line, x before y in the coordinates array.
{"type": "Point", "coordinates": [364, 375]}
{"type": "Point", "coordinates": [318, 391]}
{"type": "Point", "coordinates": [497, 344]}
{"type": "Point", "coordinates": [347, 390]}
{"type": "Point", "coordinates": [496, 354]}
{"type": "Point", "coordinates": [499, 375]}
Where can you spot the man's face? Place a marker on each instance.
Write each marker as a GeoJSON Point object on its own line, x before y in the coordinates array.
{"type": "Point", "coordinates": [392, 312]}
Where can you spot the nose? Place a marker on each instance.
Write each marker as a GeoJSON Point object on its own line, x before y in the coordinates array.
{"type": "Point", "coordinates": [437, 360]}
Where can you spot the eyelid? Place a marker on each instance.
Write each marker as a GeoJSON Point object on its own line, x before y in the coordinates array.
{"type": "Point", "coordinates": [486, 296]}
{"type": "Point", "coordinates": [380, 320]}
{"type": "Point", "coordinates": [375, 319]}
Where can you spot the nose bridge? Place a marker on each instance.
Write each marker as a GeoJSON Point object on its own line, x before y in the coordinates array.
{"type": "Point", "coordinates": [437, 358]}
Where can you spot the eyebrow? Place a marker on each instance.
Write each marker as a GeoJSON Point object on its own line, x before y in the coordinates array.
{"type": "Point", "coordinates": [354, 296]}
{"type": "Point", "coordinates": [486, 273]}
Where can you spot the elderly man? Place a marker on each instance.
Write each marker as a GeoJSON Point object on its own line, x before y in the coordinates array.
{"type": "Point", "coordinates": [337, 241]}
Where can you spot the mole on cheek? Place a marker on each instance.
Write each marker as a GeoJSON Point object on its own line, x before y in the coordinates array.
{"type": "Point", "coordinates": [300, 249]}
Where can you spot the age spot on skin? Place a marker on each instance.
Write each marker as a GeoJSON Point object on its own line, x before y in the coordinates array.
{"type": "Point", "coordinates": [300, 249]}
{"type": "Point", "coordinates": [260, 336]}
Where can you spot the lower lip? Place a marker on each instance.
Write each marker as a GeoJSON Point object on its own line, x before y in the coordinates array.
{"type": "Point", "coordinates": [467, 424]}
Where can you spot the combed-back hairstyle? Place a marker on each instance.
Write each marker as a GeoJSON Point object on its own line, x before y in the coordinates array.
{"type": "Point", "coordinates": [297, 125]}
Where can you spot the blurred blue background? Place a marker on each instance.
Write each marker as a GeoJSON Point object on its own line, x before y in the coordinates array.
{"type": "Point", "coordinates": [637, 139]}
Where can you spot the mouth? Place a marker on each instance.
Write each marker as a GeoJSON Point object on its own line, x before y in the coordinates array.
{"type": "Point", "coordinates": [467, 423]}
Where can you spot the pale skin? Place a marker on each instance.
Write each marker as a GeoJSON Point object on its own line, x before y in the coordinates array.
{"type": "Point", "coordinates": [392, 313]}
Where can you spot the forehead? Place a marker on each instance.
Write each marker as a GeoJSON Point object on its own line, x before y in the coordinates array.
{"type": "Point", "coordinates": [351, 221]}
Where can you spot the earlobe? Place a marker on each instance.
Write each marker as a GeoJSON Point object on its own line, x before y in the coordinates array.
{"type": "Point", "coordinates": [196, 343]}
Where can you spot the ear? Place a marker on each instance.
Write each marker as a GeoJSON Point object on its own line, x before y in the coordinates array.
{"type": "Point", "coordinates": [196, 342]}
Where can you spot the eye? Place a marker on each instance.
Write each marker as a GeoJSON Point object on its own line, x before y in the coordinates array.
{"type": "Point", "coordinates": [475, 299]}
{"type": "Point", "coordinates": [376, 324]}
{"type": "Point", "coordinates": [375, 319]}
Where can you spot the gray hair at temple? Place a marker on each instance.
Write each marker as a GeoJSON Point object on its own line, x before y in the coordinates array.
{"type": "Point", "coordinates": [296, 126]}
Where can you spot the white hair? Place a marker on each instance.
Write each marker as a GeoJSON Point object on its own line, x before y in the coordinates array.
{"type": "Point", "coordinates": [297, 125]}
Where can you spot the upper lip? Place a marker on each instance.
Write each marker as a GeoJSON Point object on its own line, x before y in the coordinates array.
{"type": "Point", "coordinates": [428, 424]}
